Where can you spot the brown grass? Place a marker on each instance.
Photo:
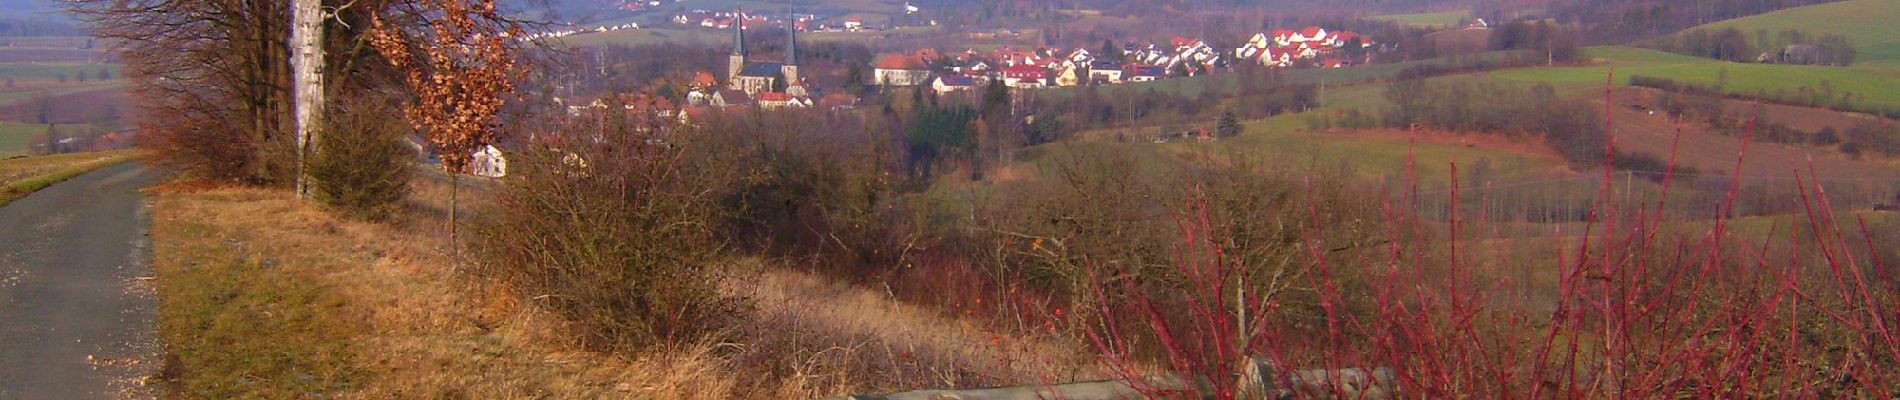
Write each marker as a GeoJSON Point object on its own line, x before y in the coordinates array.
{"type": "Point", "coordinates": [22, 176]}
{"type": "Point", "coordinates": [393, 320]}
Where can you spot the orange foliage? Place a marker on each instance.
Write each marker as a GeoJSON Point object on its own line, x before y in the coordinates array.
{"type": "Point", "coordinates": [461, 63]}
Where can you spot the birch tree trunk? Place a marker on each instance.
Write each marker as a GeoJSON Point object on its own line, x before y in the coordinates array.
{"type": "Point", "coordinates": [306, 61]}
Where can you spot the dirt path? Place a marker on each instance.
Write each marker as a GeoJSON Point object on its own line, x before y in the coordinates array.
{"type": "Point", "coordinates": [77, 312]}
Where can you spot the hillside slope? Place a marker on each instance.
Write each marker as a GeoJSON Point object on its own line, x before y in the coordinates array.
{"type": "Point", "coordinates": [1871, 24]}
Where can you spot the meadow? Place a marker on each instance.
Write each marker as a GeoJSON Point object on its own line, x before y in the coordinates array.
{"type": "Point", "coordinates": [1427, 20]}
{"type": "Point", "coordinates": [1851, 85]}
{"type": "Point", "coordinates": [17, 138]}
{"type": "Point", "coordinates": [1870, 24]}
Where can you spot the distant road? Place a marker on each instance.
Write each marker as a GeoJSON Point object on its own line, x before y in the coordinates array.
{"type": "Point", "coordinates": [77, 310]}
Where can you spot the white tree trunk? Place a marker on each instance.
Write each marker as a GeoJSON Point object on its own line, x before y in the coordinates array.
{"type": "Point", "coordinates": [306, 63]}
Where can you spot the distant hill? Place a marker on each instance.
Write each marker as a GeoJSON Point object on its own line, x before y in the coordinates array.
{"type": "Point", "coordinates": [31, 9]}
{"type": "Point", "coordinates": [1872, 25]}
{"type": "Point", "coordinates": [36, 18]}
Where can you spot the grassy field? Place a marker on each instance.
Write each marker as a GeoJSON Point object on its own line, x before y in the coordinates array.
{"type": "Point", "coordinates": [1865, 89]}
{"type": "Point", "coordinates": [25, 72]}
{"type": "Point", "coordinates": [1427, 20]}
{"type": "Point", "coordinates": [1871, 24]}
{"type": "Point", "coordinates": [22, 176]}
{"type": "Point", "coordinates": [646, 36]}
{"type": "Point", "coordinates": [16, 138]}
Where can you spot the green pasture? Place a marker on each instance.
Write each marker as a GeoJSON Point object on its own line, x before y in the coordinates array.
{"type": "Point", "coordinates": [1872, 25]}
{"type": "Point", "coordinates": [17, 138]}
{"type": "Point", "coordinates": [1428, 20]}
{"type": "Point", "coordinates": [1855, 85]}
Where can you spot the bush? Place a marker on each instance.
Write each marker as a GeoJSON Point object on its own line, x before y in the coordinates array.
{"type": "Point", "coordinates": [617, 235]}
{"type": "Point", "coordinates": [361, 165]}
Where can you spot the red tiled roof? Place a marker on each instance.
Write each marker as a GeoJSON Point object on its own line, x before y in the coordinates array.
{"type": "Point", "coordinates": [900, 61]}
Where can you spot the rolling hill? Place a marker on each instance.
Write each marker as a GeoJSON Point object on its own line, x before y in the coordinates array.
{"type": "Point", "coordinates": [1427, 20]}
{"type": "Point", "coordinates": [1871, 24]}
{"type": "Point", "coordinates": [1868, 87]}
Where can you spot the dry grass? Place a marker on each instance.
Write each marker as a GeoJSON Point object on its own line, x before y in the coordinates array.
{"type": "Point", "coordinates": [833, 339]}
{"type": "Point", "coordinates": [24, 175]}
{"type": "Point", "coordinates": [267, 296]}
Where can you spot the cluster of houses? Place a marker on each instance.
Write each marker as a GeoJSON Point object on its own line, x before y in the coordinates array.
{"type": "Point", "coordinates": [1313, 45]}
{"type": "Point", "coordinates": [637, 5]}
{"type": "Point", "coordinates": [723, 20]}
{"type": "Point", "coordinates": [1055, 67]}
{"type": "Point", "coordinates": [572, 31]}
{"type": "Point", "coordinates": [1043, 66]}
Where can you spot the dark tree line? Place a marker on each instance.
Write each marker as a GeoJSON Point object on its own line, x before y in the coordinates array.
{"type": "Point", "coordinates": [1573, 128]}
{"type": "Point", "coordinates": [29, 27]}
{"type": "Point", "coordinates": [1785, 47]}
{"type": "Point", "coordinates": [1620, 21]}
{"type": "Point", "coordinates": [1557, 43]}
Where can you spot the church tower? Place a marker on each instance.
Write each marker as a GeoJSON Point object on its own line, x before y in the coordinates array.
{"type": "Point", "coordinates": [736, 62]}
{"type": "Point", "coordinates": [790, 69]}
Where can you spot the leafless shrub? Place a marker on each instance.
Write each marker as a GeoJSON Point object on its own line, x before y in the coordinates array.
{"type": "Point", "coordinates": [615, 234]}
{"type": "Point", "coordinates": [362, 165]}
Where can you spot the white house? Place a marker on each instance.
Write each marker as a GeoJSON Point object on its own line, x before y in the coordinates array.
{"type": "Point", "coordinates": [488, 162]}
{"type": "Point", "coordinates": [901, 70]}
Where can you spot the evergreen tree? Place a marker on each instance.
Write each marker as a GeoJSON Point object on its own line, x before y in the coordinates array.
{"type": "Point", "coordinates": [1229, 125]}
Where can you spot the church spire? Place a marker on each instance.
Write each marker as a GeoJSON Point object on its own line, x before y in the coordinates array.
{"type": "Point", "coordinates": [738, 31]}
{"type": "Point", "coordinates": [791, 34]}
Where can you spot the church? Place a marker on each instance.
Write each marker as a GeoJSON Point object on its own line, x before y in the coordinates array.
{"type": "Point", "coordinates": [754, 78]}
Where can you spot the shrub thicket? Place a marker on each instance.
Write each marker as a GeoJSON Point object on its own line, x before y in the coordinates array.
{"type": "Point", "coordinates": [1571, 127]}
{"type": "Point", "coordinates": [617, 235]}
{"type": "Point", "coordinates": [361, 165]}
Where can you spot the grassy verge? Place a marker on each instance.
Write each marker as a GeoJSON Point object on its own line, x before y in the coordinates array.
{"type": "Point", "coordinates": [23, 176]}
{"type": "Point", "coordinates": [265, 296]}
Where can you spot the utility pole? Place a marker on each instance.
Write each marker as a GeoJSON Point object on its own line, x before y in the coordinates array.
{"type": "Point", "coordinates": [306, 63]}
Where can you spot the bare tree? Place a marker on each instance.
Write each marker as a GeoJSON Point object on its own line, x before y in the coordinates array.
{"type": "Point", "coordinates": [210, 76]}
{"type": "Point", "coordinates": [213, 77]}
{"type": "Point", "coordinates": [307, 59]}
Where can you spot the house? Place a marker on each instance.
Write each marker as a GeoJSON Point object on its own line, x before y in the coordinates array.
{"type": "Point", "coordinates": [700, 97]}
{"type": "Point", "coordinates": [731, 98]}
{"type": "Point", "coordinates": [1146, 73]}
{"type": "Point", "coordinates": [1105, 71]}
{"type": "Point", "coordinates": [692, 113]}
{"type": "Point", "coordinates": [1479, 24]}
{"type": "Point", "coordinates": [771, 100]}
{"type": "Point", "coordinates": [838, 101]}
{"type": "Point", "coordinates": [704, 80]}
{"type": "Point", "coordinates": [1070, 74]}
{"type": "Point", "coordinates": [948, 84]}
{"type": "Point", "coordinates": [488, 162]}
{"type": "Point", "coordinates": [1081, 56]}
{"type": "Point", "coordinates": [900, 70]}
{"type": "Point", "coordinates": [1025, 76]}
{"type": "Point", "coordinates": [854, 24]}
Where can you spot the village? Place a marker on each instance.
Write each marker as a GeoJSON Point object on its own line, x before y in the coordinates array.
{"type": "Point", "coordinates": [747, 81]}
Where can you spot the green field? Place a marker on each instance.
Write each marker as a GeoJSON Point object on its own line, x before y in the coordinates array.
{"type": "Point", "coordinates": [1872, 25]}
{"type": "Point", "coordinates": [1865, 88]}
{"type": "Point", "coordinates": [1428, 20]}
{"type": "Point", "coordinates": [645, 36]}
{"type": "Point", "coordinates": [44, 72]}
{"type": "Point", "coordinates": [17, 138]}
